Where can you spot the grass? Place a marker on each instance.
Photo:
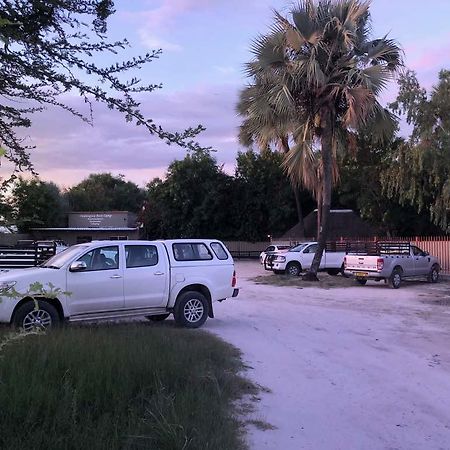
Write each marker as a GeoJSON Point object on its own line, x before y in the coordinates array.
{"type": "Point", "coordinates": [129, 386]}
{"type": "Point", "coordinates": [325, 281]}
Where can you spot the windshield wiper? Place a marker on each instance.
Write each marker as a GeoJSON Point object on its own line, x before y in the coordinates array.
{"type": "Point", "coordinates": [49, 267]}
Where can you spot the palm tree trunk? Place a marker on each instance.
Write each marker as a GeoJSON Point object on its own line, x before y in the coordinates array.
{"type": "Point", "coordinates": [284, 141]}
{"type": "Point", "coordinates": [327, 154]}
{"type": "Point", "coordinates": [298, 204]}
{"type": "Point", "coordinates": [319, 214]}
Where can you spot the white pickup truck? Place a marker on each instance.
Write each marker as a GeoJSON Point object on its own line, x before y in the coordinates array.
{"type": "Point", "coordinates": [117, 279]}
{"type": "Point", "coordinates": [300, 257]}
{"type": "Point", "coordinates": [391, 262]}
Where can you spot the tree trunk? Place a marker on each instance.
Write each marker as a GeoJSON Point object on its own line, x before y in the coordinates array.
{"type": "Point", "coordinates": [298, 204]}
{"type": "Point", "coordinates": [319, 214]}
{"type": "Point", "coordinates": [327, 155]}
{"type": "Point", "coordinates": [284, 141]}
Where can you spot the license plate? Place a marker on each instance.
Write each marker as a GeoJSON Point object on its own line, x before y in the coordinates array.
{"type": "Point", "coordinates": [361, 274]}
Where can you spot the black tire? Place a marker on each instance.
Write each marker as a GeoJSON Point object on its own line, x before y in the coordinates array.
{"type": "Point", "coordinates": [191, 309]}
{"type": "Point", "coordinates": [158, 318]}
{"type": "Point", "coordinates": [361, 281]}
{"type": "Point", "coordinates": [29, 319]}
{"type": "Point", "coordinates": [395, 280]}
{"type": "Point", "coordinates": [333, 272]}
{"type": "Point", "coordinates": [433, 276]}
{"type": "Point", "coordinates": [342, 271]}
{"type": "Point", "coordinates": [294, 269]}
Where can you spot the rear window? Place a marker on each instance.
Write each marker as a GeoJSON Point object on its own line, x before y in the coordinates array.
{"type": "Point", "coordinates": [219, 251]}
{"type": "Point", "coordinates": [191, 252]}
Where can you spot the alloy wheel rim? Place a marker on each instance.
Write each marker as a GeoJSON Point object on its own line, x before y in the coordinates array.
{"type": "Point", "coordinates": [434, 275]}
{"type": "Point", "coordinates": [37, 320]}
{"type": "Point", "coordinates": [293, 270]}
{"type": "Point", "coordinates": [193, 310]}
{"type": "Point", "coordinates": [397, 279]}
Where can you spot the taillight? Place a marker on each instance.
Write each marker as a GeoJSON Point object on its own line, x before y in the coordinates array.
{"type": "Point", "coordinates": [380, 264]}
{"type": "Point", "coordinates": [233, 280]}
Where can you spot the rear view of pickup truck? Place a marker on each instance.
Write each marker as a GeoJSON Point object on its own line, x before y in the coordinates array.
{"type": "Point", "coordinates": [389, 261]}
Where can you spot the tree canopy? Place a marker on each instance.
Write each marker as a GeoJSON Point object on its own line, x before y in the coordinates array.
{"type": "Point", "coordinates": [195, 200]}
{"type": "Point", "coordinates": [50, 49]}
{"type": "Point", "coordinates": [419, 174]}
{"type": "Point", "coordinates": [105, 192]}
{"type": "Point", "coordinates": [36, 203]}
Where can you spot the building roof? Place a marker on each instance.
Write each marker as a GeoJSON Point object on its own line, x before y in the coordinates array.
{"type": "Point", "coordinates": [344, 223]}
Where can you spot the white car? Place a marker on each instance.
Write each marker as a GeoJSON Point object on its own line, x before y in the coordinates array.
{"type": "Point", "coordinates": [117, 279]}
{"type": "Point", "coordinates": [271, 249]}
{"type": "Point", "coordinates": [299, 258]}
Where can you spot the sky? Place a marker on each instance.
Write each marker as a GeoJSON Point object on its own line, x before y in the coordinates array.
{"type": "Point", "coordinates": [205, 45]}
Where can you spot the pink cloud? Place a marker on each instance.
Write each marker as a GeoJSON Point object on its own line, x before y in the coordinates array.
{"type": "Point", "coordinates": [68, 150]}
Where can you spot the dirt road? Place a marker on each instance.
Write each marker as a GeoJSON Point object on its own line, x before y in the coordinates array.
{"type": "Point", "coordinates": [348, 368]}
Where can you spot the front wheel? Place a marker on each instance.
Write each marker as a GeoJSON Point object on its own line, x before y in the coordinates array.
{"type": "Point", "coordinates": [191, 310]}
{"type": "Point", "coordinates": [29, 318]}
{"type": "Point", "coordinates": [433, 276]}
{"type": "Point", "coordinates": [395, 279]}
{"type": "Point", "coordinates": [293, 269]}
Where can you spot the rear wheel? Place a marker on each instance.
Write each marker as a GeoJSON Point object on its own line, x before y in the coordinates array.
{"type": "Point", "coordinates": [333, 272]}
{"type": "Point", "coordinates": [29, 318]}
{"type": "Point", "coordinates": [342, 271]}
{"type": "Point", "coordinates": [293, 269]}
{"type": "Point", "coordinates": [361, 281]}
{"type": "Point", "coordinates": [191, 309]}
{"type": "Point", "coordinates": [433, 276]}
{"type": "Point", "coordinates": [158, 318]}
{"type": "Point", "coordinates": [395, 280]}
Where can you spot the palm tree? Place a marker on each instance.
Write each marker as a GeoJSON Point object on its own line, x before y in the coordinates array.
{"type": "Point", "coordinates": [263, 126]}
{"type": "Point", "coordinates": [328, 74]}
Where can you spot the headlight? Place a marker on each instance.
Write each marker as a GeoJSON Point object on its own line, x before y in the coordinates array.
{"type": "Point", "coordinates": [6, 285]}
{"type": "Point", "coordinates": [281, 258]}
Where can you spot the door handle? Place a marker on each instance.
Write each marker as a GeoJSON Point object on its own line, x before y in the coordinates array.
{"type": "Point", "coordinates": [159, 273]}
{"type": "Point", "coordinates": [116, 276]}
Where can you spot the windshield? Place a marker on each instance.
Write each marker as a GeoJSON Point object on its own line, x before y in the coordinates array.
{"type": "Point", "coordinates": [298, 248]}
{"type": "Point", "coordinates": [57, 261]}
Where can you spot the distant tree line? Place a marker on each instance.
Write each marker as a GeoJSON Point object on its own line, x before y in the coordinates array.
{"type": "Point", "coordinates": [197, 198]}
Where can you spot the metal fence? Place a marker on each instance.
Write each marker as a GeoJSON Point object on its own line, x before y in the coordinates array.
{"type": "Point", "coordinates": [30, 255]}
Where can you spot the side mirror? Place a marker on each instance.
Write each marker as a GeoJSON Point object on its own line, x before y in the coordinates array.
{"type": "Point", "coordinates": [78, 266]}
{"type": "Point", "coordinates": [425, 254]}
{"type": "Point", "coordinates": [306, 250]}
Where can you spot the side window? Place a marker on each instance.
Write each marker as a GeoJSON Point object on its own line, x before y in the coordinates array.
{"type": "Point", "coordinates": [219, 251]}
{"type": "Point", "coordinates": [191, 252]}
{"type": "Point", "coordinates": [311, 249]}
{"type": "Point", "coordinates": [141, 255]}
{"type": "Point", "coordinates": [103, 258]}
{"type": "Point", "coordinates": [416, 251]}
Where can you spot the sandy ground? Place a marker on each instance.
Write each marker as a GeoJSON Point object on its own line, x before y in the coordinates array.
{"type": "Point", "coordinates": [357, 367]}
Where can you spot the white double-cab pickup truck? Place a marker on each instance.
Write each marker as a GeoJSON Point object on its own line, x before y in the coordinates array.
{"type": "Point", "coordinates": [299, 258]}
{"type": "Point", "coordinates": [119, 279]}
{"type": "Point", "coordinates": [389, 261]}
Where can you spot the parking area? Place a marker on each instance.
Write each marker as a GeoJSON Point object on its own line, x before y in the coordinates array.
{"type": "Point", "coordinates": [347, 366]}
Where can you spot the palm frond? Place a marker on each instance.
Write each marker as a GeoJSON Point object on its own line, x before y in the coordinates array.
{"type": "Point", "coordinates": [269, 49]}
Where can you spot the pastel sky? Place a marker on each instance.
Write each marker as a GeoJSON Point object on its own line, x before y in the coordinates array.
{"type": "Point", "coordinates": [205, 45]}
